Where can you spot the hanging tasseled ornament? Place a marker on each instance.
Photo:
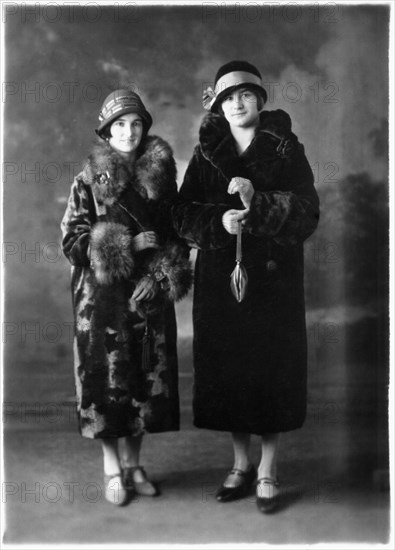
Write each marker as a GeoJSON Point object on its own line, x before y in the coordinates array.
{"type": "Point", "coordinates": [146, 351]}
{"type": "Point", "coordinates": [239, 277]}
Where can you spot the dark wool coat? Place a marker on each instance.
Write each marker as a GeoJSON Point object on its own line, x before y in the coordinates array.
{"type": "Point", "coordinates": [119, 394]}
{"type": "Point", "coordinates": [249, 357]}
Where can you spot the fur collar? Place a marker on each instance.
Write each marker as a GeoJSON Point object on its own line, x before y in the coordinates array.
{"type": "Point", "coordinates": [153, 175]}
{"type": "Point", "coordinates": [217, 144]}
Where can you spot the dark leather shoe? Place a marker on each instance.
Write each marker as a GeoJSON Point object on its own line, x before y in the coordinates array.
{"type": "Point", "coordinates": [144, 487]}
{"type": "Point", "coordinates": [267, 505]}
{"type": "Point", "coordinates": [227, 494]}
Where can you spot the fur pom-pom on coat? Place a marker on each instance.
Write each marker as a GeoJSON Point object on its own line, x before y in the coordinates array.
{"type": "Point", "coordinates": [110, 254]}
{"type": "Point", "coordinates": [112, 201]}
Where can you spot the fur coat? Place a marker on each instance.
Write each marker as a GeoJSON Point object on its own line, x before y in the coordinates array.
{"type": "Point", "coordinates": [125, 356]}
{"type": "Point", "coordinates": [249, 357]}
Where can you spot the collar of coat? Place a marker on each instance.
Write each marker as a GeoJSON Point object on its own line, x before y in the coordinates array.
{"type": "Point", "coordinates": [217, 143]}
{"type": "Point", "coordinates": [153, 175]}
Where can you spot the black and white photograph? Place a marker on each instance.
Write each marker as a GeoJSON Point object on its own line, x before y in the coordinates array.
{"type": "Point", "coordinates": [196, 274]}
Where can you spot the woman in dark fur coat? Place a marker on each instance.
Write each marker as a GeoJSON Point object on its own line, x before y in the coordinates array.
{"type": "Point", "coordinates": [128, 267]}
{"type": "Point", "coordinates": [249, 355]}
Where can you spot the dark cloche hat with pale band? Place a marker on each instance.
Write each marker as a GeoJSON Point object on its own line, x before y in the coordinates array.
{"type": "Point", "coordinates": [120, 103]}
{"type": "Point", "coordinates": [231, 76]}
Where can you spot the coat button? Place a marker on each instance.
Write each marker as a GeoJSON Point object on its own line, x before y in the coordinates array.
{"type": "Point", "coordinates": [271, 265]}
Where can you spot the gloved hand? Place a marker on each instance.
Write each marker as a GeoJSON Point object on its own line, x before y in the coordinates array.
{"type": "Point", "coordinates": [231, 218]}
{"type": "Point", "coordinates": [244, 187]}
{"type": "Point", "coordinates": [145, 290]}
{"type": "Point", "coordinates": [146, 239]}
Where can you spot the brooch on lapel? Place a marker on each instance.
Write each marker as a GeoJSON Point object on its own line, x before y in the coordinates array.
{"type": "Point", "coordinates": [285, 148]}
{"type": "Point", "coordinates": [103, 179]}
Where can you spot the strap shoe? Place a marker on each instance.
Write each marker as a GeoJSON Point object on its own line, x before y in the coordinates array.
{"type": "Point", "coordinates": [114, 489]}
{"type": "Point", "coordinates": [241, 490]}
{"type": "Point", "coordinates": [267, 486]}
{"type": "Point", "coordinates": [143, 487]}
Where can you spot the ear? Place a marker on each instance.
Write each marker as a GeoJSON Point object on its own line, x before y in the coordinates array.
{"type": "Point", "coordinates": [260, 103]}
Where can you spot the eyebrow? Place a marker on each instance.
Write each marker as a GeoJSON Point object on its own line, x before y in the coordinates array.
{"type": "Point", "coordinates": [120, 119]}
{"type": "Point", "coordinates": [240, 90]}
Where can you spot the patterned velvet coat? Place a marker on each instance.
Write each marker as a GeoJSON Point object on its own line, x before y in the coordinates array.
{"type": "Point", "coordinates": [119, 393]}
{"type": "Point", "coordinates": [249, 357]}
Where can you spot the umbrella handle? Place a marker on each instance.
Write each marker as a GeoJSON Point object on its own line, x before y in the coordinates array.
{"type": "Point", "coordinates": [239, 254]}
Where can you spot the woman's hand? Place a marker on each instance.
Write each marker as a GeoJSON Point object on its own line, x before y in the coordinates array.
{"type": "Point", "coordinates": [145, 289]}
{"type": "Point", "coordinates": [146, 239]}
{"type": "Point", "coordinates": [231, 218]}
{"type": "Point", "coordinates": [245, 189]}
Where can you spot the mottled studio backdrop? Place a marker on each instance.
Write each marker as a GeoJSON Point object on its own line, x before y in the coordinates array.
{"type": "Point", "coordinates": [325, 65]}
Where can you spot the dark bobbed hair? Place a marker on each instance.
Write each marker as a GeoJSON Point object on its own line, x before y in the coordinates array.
{"type": "Point", "coordinates": [106, 132]}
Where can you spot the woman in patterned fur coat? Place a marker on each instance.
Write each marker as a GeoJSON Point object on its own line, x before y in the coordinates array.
{"type": "Point", "coordinates": [128, 267]}
{"type": "Point", "coordinates": [249, 356]}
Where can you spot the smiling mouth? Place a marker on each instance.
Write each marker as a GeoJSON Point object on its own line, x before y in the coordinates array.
{"type": "Point", "coordinates": [239, 114]}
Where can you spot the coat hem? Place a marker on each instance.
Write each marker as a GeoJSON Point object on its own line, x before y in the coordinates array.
{"type": "Point", "coordinates": [128, 434]}
{"type": "Point", "coordinates": [252, 431]}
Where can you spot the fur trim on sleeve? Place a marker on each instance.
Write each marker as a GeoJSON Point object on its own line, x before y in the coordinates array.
{"type": "Point", "coordinates": [111, 256]}
{"type": "Point", "coordinates": [172, 268]}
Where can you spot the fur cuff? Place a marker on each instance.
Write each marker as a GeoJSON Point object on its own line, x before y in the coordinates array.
{"type": "Point", "coordinates": [173, 270]}
{"type": "Point", "coordinates": [111, 257]}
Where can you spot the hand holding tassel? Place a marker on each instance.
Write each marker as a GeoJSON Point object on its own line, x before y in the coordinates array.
{"type": "Point", "coordinates": [232, 218]}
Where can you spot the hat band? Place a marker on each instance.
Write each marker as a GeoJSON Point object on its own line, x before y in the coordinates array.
{"type": "Point", "coordinates": [114, 106]}
{"type": "Point", "coordinates": [236, 78]}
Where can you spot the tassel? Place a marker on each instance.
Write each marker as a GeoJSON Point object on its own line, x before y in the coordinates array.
{"type": "Point", "coordinates": [239, 277]}
{"type": "Point", "coordinates": [238, 284]}
{"type": "Point", "coordinates": [146, 352]}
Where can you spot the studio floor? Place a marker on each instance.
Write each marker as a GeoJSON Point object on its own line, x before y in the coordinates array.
{"type": "Point", "coordinates": [332, 472]}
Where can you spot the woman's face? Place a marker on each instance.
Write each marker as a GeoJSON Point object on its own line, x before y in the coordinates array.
{"type": "Point", "coordinates": [126, 133]}
{"type": "Point", "coordinates": [240, 108]}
